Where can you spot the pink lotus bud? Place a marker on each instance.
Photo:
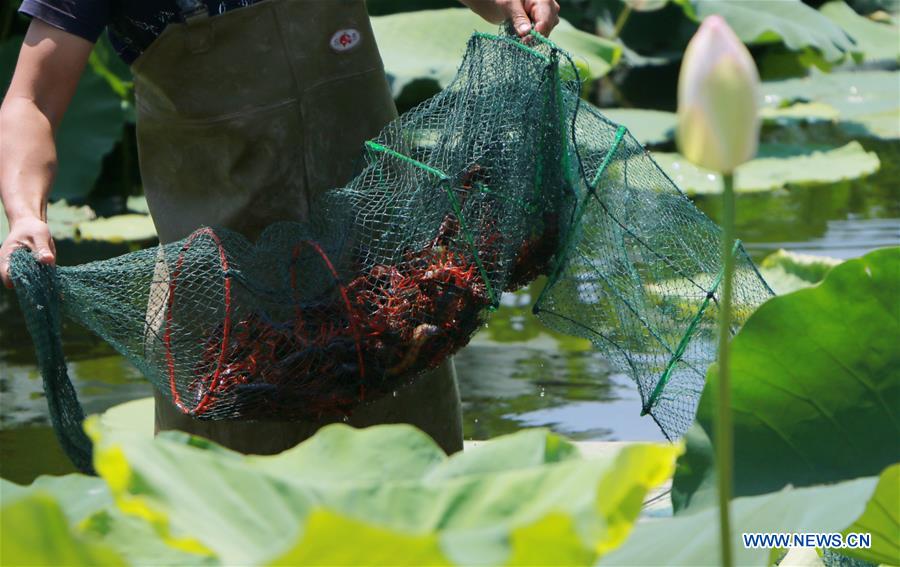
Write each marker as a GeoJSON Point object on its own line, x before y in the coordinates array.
{"type": "Point", "coordinates": [646, 5]}
{"type": "Point", "coordinates": [718, 121]}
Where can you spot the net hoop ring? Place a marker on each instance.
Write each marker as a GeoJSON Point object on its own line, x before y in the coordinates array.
{"type": "Point", "coordinates": [207, 398]}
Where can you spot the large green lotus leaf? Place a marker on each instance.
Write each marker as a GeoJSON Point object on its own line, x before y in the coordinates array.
{"type": "Point", "coordinates": [137, 540]}
{"type": "Point", "coordinates": [777, 166]}
{"type": "Point", "coordinates": [88, 506]}
{"type": "Point", "coordinates": [36, 532]}
{"type": "Point", "coordinates": [78, 496]}
{"type": "Point", "coordinates": [873, 39]}
{"type": "Point", "coordinates": [694, 484]}
{"type": "Point", "coordinates": [649, 127]}
{"type": "Point", "coordinates": [791, 22]}
{"type": "Point", "coordinates": [693, 539]}
{"type": "Point", "coordinates": [106, 62]}
{"type": "Point", "coordinates": [333, 539]}
{"type": "Point", "coordinates": [119, 228]}
{"type": "Point", "coordinates": [132, 418]}
{"type": "Point", "coordinates": [556, 538]}
{"type": "Point", "coordinates": [324, 457]}
{"type": "Point", "coordinates": [392, 479]}
{"type": "Point", "coordinates": [422, 50]}
{"type": "Point", "coordinates": [93, 124]}
{"type": "Point", "coordinates": [881, 519]}
{"type": "Point", "coordinates": [815, 385]}
{"type": "Point", "coordinates": [90, 129]}
{"type": "Point", "coordinates": [866, 101]}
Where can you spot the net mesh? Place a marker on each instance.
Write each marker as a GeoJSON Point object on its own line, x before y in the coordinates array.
{"type": "Point", "coordinates": [504, 176]}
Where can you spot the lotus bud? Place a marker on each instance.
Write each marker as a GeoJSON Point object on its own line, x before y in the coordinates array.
{"type": "Point", "coordinates": [718, 118]}
{"type": "Point", "coordinates": [646, 5]}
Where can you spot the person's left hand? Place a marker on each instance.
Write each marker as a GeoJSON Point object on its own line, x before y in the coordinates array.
{"type": "Point", "coordinates": [543, 14]}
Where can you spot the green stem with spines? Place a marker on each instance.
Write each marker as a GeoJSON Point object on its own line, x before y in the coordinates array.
{"type": "Point", "coordinates": [723, 428]}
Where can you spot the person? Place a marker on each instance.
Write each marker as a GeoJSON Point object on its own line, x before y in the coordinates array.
{"type": "Point", "coordinates": [246, 109]}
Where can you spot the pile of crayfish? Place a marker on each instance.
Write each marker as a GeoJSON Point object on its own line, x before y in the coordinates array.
{"type": "Point", "coordinates": [389, 323]}
{"type": "Point", "coordinates": [385, 325]}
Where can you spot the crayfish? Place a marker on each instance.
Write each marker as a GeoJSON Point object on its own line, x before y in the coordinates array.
{"type": "Point", "coordinates": [368, 334]}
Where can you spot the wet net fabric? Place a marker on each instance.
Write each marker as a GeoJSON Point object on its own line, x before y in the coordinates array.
{"type": "Point", "coordinates": [504, 176]}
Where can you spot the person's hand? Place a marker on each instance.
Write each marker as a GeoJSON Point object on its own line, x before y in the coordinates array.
{"type": "Point", "coordinates": [543, 14]}
{"type": "Point", "coordinates": [31, 233]}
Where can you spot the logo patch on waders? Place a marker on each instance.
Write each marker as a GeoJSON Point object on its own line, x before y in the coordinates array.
{"type": "Point", "coordinates": [345, 40]}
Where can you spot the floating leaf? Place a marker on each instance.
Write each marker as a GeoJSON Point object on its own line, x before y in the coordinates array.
{"type": "Point", "coordinates": [693, 539]}
{"type": "Point", "coordinates": [866, 101]}
{"type": "Point", "coordinates": [791, 22]}
{"type": "Point", "coordinates": [777, 166]}
{"type": "Point", "coordinates": [787, 271]}
{"type": "Point", "coordinates": [119, 228]}
{"type": "Point", "coordinates": [815, 383]}
{"type": "Point", "coordinates": [874, 40]}
{"type": "Point", "coordinates": [650, 127]}
{"type": "Point", "coordinates": [807, 267]}
{"type": "Point", "coordinates": [138, 205]}
{"type": "Point", "coordinates": [386, 483]}
{"type": "Point", "coordinates": [422, 50]}
{"type": "Point", "coordinates": [781, 281]}
{"type": "Point", "coordinates": [61, 217]}
{"type": "Point", "coordinates": [64, 218]}
{"type": "Point", "coordinates": [800, 112]}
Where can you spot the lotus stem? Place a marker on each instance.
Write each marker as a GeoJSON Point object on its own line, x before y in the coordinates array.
{"type": "Point", "coordinates": [621, 21]}
{"type": "Point", "coordinates": [724, 432]}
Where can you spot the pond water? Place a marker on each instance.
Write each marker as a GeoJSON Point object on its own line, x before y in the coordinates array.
{"type": "Point", "coordinates": [514, 374]}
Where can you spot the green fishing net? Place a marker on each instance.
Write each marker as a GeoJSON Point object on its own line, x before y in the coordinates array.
{"type": "Point", "coordinates": [504, 176]}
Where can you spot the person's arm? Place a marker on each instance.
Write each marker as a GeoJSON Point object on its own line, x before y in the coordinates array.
{"type": "Point", "coordinates": [50, 63]}
{"type": "Point", "coordinates": [543, 14]}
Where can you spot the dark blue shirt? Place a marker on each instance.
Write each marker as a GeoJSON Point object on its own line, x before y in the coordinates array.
{"type": "Point", "coordinates": [132, 24]}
